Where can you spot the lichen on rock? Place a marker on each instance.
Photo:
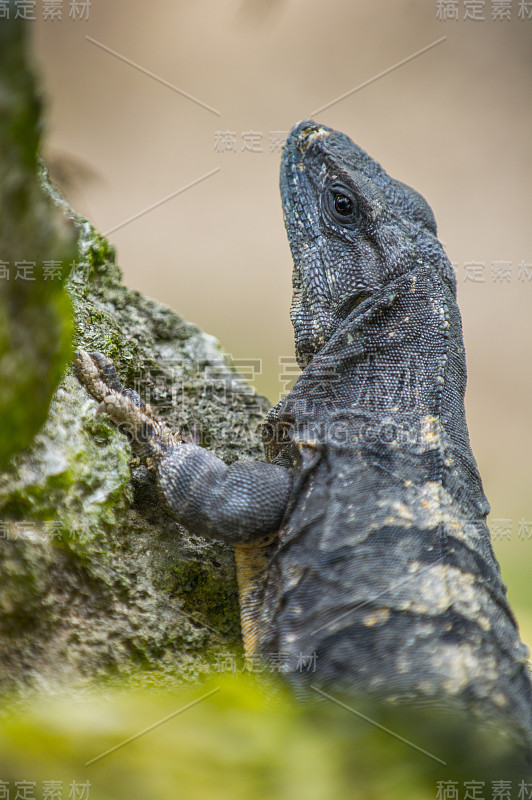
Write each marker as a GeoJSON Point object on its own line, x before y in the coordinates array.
{"type": "Point", "coordinates": [97, 580]}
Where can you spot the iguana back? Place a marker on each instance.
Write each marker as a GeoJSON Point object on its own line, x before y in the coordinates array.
{"type": "Point", "coordinates": [383, 571]}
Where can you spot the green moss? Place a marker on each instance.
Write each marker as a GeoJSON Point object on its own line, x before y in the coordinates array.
{"type": "Point", "coordinates": [31, 232]}
{"type": "Point", "coordinates": [35, 309]}
{"type": "Point", "coordinates": [107, 577]}
{"type": "Point", "coordinates": [101, 258]}
{"type": "Point", "coordinates": [207, 594]}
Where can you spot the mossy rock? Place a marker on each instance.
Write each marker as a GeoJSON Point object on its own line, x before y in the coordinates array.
{"type": "Point", "coordinates": [97, 579]}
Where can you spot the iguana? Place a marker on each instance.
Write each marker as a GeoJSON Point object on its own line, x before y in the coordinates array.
{"type": "Point", "coordinates": [362, 541]}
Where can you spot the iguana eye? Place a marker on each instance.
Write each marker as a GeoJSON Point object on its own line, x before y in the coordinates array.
{"type": "Point", "coordinates": [341, 205]}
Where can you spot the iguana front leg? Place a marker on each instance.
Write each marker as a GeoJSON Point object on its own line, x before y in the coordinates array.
{"type": "Point", "coordinates": [239, 504]}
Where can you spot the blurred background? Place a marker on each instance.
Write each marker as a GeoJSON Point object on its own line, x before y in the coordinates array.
{"type": "Point", "coordinates": [145, 100]}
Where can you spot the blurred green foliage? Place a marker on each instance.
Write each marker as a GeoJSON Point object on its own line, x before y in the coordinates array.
{"type": "Point", "coordinates": [35, 309]}
{"type": "Point", "coordinates": [246, 740]}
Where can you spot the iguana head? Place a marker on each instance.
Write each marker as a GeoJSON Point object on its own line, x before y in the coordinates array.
{"type": "Point", "coordinates": [352, 229]}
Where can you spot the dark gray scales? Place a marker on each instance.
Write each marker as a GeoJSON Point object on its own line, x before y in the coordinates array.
{"type": "Point", "coordinates": [369, 525]}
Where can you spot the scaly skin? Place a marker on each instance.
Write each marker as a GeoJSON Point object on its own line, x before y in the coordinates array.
{"type": "Point", "coordinates": [363, 544]}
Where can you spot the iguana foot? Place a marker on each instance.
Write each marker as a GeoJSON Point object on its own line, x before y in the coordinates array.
{"type": "Point", "coordinates": [123, 406]}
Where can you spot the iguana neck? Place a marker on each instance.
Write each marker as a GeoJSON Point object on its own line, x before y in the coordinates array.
{"type": "Point", "coordinates": [392, 374]}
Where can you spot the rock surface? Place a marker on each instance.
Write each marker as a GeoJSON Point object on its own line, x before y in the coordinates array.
{"type": "Point", "coordinates": [97, 580]}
